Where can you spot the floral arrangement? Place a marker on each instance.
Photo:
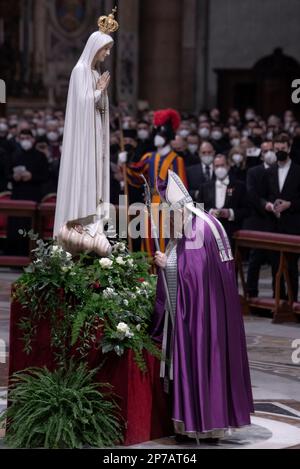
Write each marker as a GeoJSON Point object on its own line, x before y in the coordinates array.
{"type": "Point", "coordinates": [104, 303]}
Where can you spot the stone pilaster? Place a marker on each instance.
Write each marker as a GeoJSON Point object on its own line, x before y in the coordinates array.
{"type": "Point", "coordinates": [127, 53]}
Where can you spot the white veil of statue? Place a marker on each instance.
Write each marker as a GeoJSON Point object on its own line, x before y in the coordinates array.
{"type": "Point", "coordinates": [83, 188]}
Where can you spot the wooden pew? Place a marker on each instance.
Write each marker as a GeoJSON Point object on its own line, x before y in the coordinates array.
{"type": "Point", "coordinates": [283, 311]}
{"type": "Point", "coordinates": [19, 209]}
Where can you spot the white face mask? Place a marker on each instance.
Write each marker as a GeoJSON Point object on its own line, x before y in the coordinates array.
{"type": "Point", "coordinates": [270, 135]}
{"type": "Point", "coordinates": [235, 142]}
{"type": "Point", "coordinates": [249, 115]}
{"type": "Point", "coordinates": [204, 132]}
{"type": "Point", "coordinates": [184, 133]}
{"type": "Point", "coordinates": [216, 135]}
{"type": "Point", "coordinates": [3, 127]}
{"type": "Point", "coordinates": [61, 130]}
{"type": "Point", "coordinates": [143, 134]}
{"type": "Point", "coordinates": [270, 157]}
{"type": "Point", "coordinates": [221, 173]}
{"type": "Point", "coordinates": [193, 147]}
{"type": "Point", "coordinates": [52, 136]}
{"type": "Point", "coordinates": [125, 125]}
{"type": "Point", "coordinates": [40, 132]}
{"type": "Point", "coordinates": [237, 158]}
{"type": "Point", "coordinates": [159, 141]}
{"type": "Point", "coordinates": [207, 159]}
{"type": "Point", "coordinates": [26, 145]}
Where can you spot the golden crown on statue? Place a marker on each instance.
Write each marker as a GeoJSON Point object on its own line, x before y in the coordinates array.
{"type": "Point", "coordinates": [108, 24]}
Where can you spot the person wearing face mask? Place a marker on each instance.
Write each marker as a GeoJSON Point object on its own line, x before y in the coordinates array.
{"type": "Point", "coordinates": [144, 140]}
{"type": "Point", "coordinates": [28, 169]}
{"type": "Point", "coordinates": [130, 145]}
{"type": "Point", "coordinates": [156, 164]}
{"type": "Point", "coordinates": [282, 201]}
{"type": "Point", "coordinates": [225, 198]}
{"type": "Point", "coordinates": [191, 155]}
{"type": "Point", "coordinates": [28, 173]}
{"type": "Point", "coordinates": [204, 130]}
{"type": "Point", "coordinates": [259, 219]}
{"type": "Point", "coordinates": [237, 161]}
{"type": "Point", "coordinates": [203, 171]}
{"type": "Point", "coordinates": [184, 129]}
{"type": "Point", "coordinates": [219, 140]}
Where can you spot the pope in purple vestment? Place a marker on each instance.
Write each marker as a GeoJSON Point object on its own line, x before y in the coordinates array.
{"type": "Point", "coordinates": [210, 380]}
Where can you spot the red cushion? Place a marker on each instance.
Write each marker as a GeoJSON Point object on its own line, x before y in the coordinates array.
{"type": "Point", "coordinates": [3, 218]}
{"type": "Point", "coordinates": [47, 213]}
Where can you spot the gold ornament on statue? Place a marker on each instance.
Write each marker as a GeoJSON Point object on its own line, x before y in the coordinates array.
{"type": "Point", "coordinates": [108, 24]}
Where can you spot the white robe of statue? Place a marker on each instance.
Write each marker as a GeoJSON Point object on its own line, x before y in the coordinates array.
{"type": "Point", "coordinates": [84, 179]}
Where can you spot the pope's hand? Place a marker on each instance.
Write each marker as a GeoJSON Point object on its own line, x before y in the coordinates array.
{"type": "Point", "coordinates": [160, 259]}
{"type": "Point", "coordinates": [122, 158]}
{"type": "Point", "coordinates": [103, 81]}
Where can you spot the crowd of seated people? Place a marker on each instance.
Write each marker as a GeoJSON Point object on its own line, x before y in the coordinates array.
{"type": "Point", "coordinates": [243, 168]}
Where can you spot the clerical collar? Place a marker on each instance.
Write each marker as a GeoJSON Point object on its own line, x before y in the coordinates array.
{"type": "Point", "coordinates": [165, 150]}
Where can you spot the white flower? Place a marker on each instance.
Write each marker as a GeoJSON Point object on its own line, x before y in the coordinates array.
{"type": "Point", "coordinates": [121, 247]}
{"type": "Point", "coordinates": [124, 329]}
{"type": "Point", "coordinates": [133, 296]}
{"type": "Point", "coordinates": [106, 263]}
{"type": "Point", "coordinates": [109, 293]}
{"type": "Point", "coordinates": [130, 262]}
{"type": "Point", "coordinates": [68, 255]}
{"type": "Point", "coordinates": [145, 284]}
{"type": "Point", "coordinates": [56, 250]}
{"type": "Point", "coordinates": [120, 261]}
{"type": "Point", "coordinates": [125, 302]}
{"type": "Point", "coordinates": [138, 327]}
{"type": "Point", "coordinates": [65, 269]}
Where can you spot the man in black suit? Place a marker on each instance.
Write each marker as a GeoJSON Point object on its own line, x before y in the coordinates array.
{"type": "Point", "coordinates": [225, 198]}
{"type": "Point", "coordinates": [259, 219]}
{"type": "Point", "coordinates": [283, 200]}
{"type": "Point", "coordinates": [202, 172]}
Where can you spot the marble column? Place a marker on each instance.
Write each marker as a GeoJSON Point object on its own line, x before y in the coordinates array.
{"type": "Point", "coordinates": [40, 38]}
{"type": "Point", "coordinates": [189, 56]}
{"type": "Point", "coordinates": [160, 53]}
{"type": "Point", "coordinates": [202, 61]}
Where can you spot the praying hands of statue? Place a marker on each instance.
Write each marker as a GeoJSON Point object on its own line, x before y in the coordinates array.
{"type": "Point", "coordinates": [103, 82]}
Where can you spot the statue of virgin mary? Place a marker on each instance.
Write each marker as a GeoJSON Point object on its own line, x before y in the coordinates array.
{"type": "Point", "coordinates": [83, 190]}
